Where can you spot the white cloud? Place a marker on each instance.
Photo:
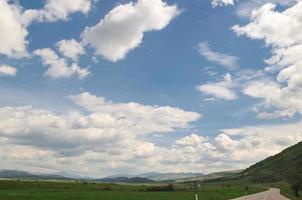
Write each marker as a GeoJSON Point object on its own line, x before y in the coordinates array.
{"type": "Point", "coordinates": [220, 90]}
{"type": "Point", "coordinates": [191, 140]}
{"type": "Point", "coordinates": [143, 118]}
{"type": "Point", "coordinates": [60, 9]}
{"type": "Point", "coordinates": [70, 49]}
{"type": "Point", "coordinates": [275, 114]}
{"type": "Point", "coordinates": [283, 94]}
{"type": "Point", "coordinates": [246, 8]}
{"type": "Point", "coordinates": [123, 28]}
{"type": "Point", "coordinates": [261, 28]}
{"type": "Point", "coordinates": [58, 67]}
{"type": "Point", "coordinates": [286, 101]}
{"type": "Point", "coordinates": [228, 61]}
{"type": "Point", "coordinates": [6, 70]}
{"type": "Point", "coordinates": [12, 32]}
{"type": "Point", "coordinates": [236, 148]}
{"type": "Point", "coordinates": [101, 134]}
{"type": "Point", "coordinates": [55, 10]}
{"type": "Point", "coordinates": [222, 2]}
{"type": "Point", "coordinates": [14, 22]}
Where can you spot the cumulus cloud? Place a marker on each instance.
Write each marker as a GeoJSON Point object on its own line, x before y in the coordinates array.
{"type": "Point", "coordinates": [222, 2]}
{"type": "Point", "coordinates": [100, 136]}
{"type": "Point", "coordinates": [55, 10]}
{"type": "Point", "coordinates": [100, 131]}
{"type": "Point", "coordinates": [123, 28]}
{"type": "Point", "coordinates": [58, 67]}
{"type": "Point", "coordinates": [14, 22]}
{"type": "Point", "coordinates": [12, 32]}
{"type": "Point", "coordinates": [284, 93]}
{"type": "Point", "coordinates": [286, 101]}
{"type": "Point", "coordinates": [158, 119]}
{"type": "Point", "coordinates": [220, 90]}
{"type": "Point", "coordinates": [246, 8]}
{"type": "Point", "coordinates": [259, 28]}
{"type": "Point", "coordinates": [228, 61]}
{"type": "Point", "coordinates": [191, 140]}
{"type": "Point", "coordinates": [70, 49]}
{"type": "Point", "coordinates": [237, 148]}
{"type": "Point", "coordinates": [6, 70]}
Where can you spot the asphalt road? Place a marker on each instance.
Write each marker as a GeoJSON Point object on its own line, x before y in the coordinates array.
{"type": "Point", "coordinates": [271, 194]}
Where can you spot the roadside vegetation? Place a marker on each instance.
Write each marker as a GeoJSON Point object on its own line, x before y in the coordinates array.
{"type": "Point", "coordinates": [283, 171]}
{"type": "Point", "coordinates": [285, 189]}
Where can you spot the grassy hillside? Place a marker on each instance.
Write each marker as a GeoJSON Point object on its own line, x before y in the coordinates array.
{"type": "Point", "coordinates": [212, 176]}
{"type": "Point", "coordinates": [277, 171]}
{"type": "Point", "coordinates": [278, 167]}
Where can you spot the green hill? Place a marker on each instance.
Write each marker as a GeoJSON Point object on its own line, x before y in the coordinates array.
{"type": "Point", "coordinates": [15, 174]}
{"type": "Point", "coordinates": [278, 167]}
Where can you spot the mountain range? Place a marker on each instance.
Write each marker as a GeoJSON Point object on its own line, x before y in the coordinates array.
{"type": "Point", "coordinates": [16, 174]}
{"type": "Point", "coordinates": [156, 176]}
{"type": "Point", "coordinates": [140, 178]}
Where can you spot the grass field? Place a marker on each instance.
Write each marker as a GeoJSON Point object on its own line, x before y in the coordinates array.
{"type": "Point", "coordinates": [38, 190]}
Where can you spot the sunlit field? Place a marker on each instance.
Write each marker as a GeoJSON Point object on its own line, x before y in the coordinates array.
{"type": "Point", "coordinates": [34, 190]}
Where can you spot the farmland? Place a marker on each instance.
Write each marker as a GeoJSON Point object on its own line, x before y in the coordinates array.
{"type": "Point", "coordinates": [37, 190]}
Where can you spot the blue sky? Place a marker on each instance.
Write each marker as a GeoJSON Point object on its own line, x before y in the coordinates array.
{"type": "Point", "coordinates": [105, 87]}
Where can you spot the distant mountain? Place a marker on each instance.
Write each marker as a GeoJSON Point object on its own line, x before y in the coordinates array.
{"type": "Point", "coordinates": [212, 176]}
{"type": "Point", "coordinates": [122, 178]}
{"type": "Point", "coordinates": [125, 180]}
{"type": "Point", "coordinates": [15, 174]}
{"type": "Point", "coordinates": [169, 176]}
{"type": "Point", "coordinates": [277, 167]}
{"type": "Point", "coordinates": [156, 176]}
{"type": "Point", "coordinates": [121, 175]}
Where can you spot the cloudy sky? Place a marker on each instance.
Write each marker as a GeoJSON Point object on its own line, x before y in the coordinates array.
{"type": "Point", "coordinates": [99, 87]}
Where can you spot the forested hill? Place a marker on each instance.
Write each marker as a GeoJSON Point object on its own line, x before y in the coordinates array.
{"type": "Point", "coordinates": [278, 167]}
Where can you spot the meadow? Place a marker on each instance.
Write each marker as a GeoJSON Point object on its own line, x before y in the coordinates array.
{"type": "Point", "coordinates": [54, 190]}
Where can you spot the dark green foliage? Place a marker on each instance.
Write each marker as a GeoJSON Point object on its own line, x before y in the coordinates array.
{"type": "Point", "coordinates": [126, 180]}
{"type": "Point", "coordinates": [161, 188]}
{"type": "Point", "coordinates": [295, 181]}
{"type": "Point", "coordinates": [285, 166]}
{"type": "Point", "coordinates": [278, 167]}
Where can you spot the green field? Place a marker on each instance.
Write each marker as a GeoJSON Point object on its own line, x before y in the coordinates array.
{"type": "Point", "coordinates": [40, 190]}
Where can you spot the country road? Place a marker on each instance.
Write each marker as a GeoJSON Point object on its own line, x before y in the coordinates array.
{"type": "Point", "coordinates": [271, 194]}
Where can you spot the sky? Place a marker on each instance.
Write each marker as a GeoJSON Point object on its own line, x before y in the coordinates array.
{"type": "Point", "coordinates": [99, 87]}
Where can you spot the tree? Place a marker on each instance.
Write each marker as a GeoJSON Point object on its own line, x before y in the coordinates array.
{"type": "Point", "coordinates": [246, 189]}
{"type": "Point", "coordinates": [170, 187]}
{"type": "Point", "coordinates": [295, 181]}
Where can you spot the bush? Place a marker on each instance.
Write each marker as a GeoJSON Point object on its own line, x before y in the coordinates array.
{"type": "Point", "coordinates": [295, 181]}
{"type": "Point", "coordinates": [162, 188]}
{"type": "Point", "coordinates": [107, 188]}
